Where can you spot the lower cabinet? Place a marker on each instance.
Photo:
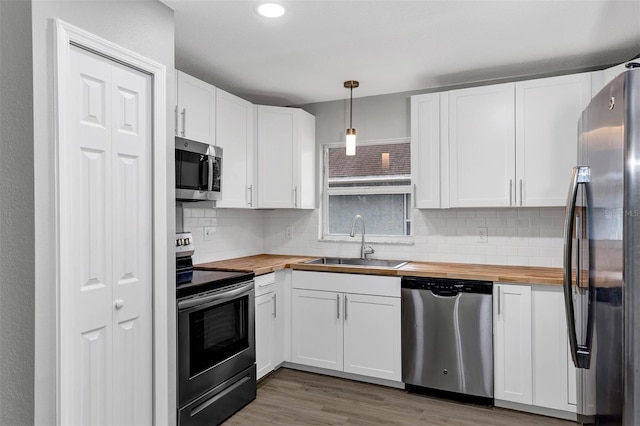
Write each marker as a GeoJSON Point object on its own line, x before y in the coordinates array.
{"type": "Point", "coordinates": [347, 331]}
{"type": "Point", "coordinates": [531, 358]}
{"type": "Point", "coordinates": [269, 318]}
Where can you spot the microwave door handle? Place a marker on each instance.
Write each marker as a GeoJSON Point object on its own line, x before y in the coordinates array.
{"type": "Point", "coordinates": [579, 354]}
{"type": "Point", "coordinates": [210, 160]}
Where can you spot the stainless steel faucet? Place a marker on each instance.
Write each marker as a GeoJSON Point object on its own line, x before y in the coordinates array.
{"type": "Point", "coordinates": [364, 251]}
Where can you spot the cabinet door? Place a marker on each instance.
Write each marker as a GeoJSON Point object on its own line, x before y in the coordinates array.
{"type": "Point", "coordinates": [275, 130]}
{"type": "Point", "coordinates": [317, 329]}
{"type": "Point", "coordinates": [279, 314]}
{"type": "Point", "coordinates": [305, 161]}
{"type": "Point", "coordinates": [547, 113]}
{"type": "Point", "coordinates": [552, 375]}
{"type": "Point", "coordinates": [196, 109]}
{"type": "Point", "coordinates": [265, 328]}
{"type": "Point", "coordinates": [482, 146]}
{"type": "Point", "coordinates": [512, 343]}
{"type": "Point", "coordinates": [425, 149]}
{"type": "Point", "coordinates": [372, 336]}
{"type": "Point", "coordinates": [234, 133]}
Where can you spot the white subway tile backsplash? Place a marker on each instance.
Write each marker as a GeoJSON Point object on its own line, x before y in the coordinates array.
{"type": "Point", "coordinates": [516, 236]}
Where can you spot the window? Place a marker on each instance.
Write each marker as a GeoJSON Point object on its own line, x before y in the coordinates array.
{"type": "Point", "coordinates": [375, 183]}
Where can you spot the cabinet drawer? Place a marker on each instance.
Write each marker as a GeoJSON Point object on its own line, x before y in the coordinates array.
{"type": "Point", "coordinates": [374, 285]}
{"type": "Point", "coordinates": [265, 283]}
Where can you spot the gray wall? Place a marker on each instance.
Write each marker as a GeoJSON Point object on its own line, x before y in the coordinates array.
{"type": "Point", "coordinates": [374, 117]}
{"type": "Point", "coordinates": [145, 27]}
{"type": "Point", "coordinates": [17, 302]}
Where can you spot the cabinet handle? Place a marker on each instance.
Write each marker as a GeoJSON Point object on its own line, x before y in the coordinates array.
{"type": "Point", "coordinates": [521, 194]}
{"type": "Point", "coordinates": [346, 303]}
{"type": "Point", "coordinates": [250, 195]}
{"type": "Point", "coordinates": [499, 300]}
{"type": "Point", "coordinates": [414, 196]}
{"type": "Point", "coordinates": [295, 196]}
{"type": "Point", "coordinates": [184, 121]}
{"type": "Point", "coordinates": [175, 121]}
{"type": "Point", "coordinates": [275, 309]}
{"type": "Point", "coordinates": [338, 305]}
{"type": "Point", "coordinates": [510, 192]}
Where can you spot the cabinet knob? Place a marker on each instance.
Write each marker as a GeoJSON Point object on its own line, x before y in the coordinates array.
{"type": "Point", "coordinates": [119, 304]}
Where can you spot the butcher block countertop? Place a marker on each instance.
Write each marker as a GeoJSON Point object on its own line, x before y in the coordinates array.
{"type": "Point", "coordinates": [259, 264]}
{"type": "Point", "coordinates": [265, 263]}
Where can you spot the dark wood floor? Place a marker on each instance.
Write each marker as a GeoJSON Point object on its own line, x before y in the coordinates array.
{"type": "Point", "coordinates": [290, 397]}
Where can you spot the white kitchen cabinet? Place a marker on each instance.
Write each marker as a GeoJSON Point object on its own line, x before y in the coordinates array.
{"type": "Point", "coordinates": [195, 116]}
{"type": "Point", "coordinates": [269, 324]}
{"type": "Point", "coordinates": [372, 336]}
{"type": "Point", "coordinates": [428, 133]}
{"type": "Point", "coordinates": [514, 144]}
{"type": "Point", "coordinates": [285, 139]}
{"type": "Point", "coordinates": [532, 364]}
{"type": "Point", "coordinates": [347, 322]}
{"type": "Point", "coordinates": [512, 343]}
{"type": "Point", "coordinates": [547, 113]}
{"type": "Point", "coordinates": [265, 333]}
{"type": "Point", "coordinates": [317, 329]}
{"type": "Point", "coordinates": [482, 146]}
{"type": "Point", "coordinates": [235, 135]}
{"type": "Point", "coordinates": [554, 376]}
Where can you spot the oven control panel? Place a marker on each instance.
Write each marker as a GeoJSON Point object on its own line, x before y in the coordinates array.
{"type": "Point", "coordinates": [184, 244]}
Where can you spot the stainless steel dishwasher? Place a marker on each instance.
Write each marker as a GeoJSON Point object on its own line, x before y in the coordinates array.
{"type": "Point", "coordinates": [447, 337]}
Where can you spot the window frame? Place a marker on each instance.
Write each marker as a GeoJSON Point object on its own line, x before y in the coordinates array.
{"type": "Point", "coordinates": [325, 192]}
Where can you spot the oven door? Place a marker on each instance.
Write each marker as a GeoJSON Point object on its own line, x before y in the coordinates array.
{"type": "Point", "coordinates": [215, 338]}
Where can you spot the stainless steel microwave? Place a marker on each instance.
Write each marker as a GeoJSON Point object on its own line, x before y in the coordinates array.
{"type": "Point", "coordinates": [198, 171]}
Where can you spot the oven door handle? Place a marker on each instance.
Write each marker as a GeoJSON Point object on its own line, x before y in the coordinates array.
{"type": "Point", "coordinates": [190, 303]}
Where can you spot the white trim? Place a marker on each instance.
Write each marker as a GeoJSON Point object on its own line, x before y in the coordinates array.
{"type": "Point", "coordinates": [65, 35]}
{"type": "Point", "coordinates": [325, 192]}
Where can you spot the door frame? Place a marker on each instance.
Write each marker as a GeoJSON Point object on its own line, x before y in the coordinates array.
{"type": "Point", "coordinates": [66, 35]}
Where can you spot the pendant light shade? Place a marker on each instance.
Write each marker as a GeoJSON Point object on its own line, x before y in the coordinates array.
{"type": "Point", "coordinates": [351, 132]}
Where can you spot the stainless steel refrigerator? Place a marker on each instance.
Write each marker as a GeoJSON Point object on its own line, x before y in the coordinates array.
{"type": "Point", "coordinates": [602, 255]}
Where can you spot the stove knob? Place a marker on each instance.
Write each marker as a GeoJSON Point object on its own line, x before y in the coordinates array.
{"type": "Point", "coordinates": [179, 242]}
{"type": "Point", "coordinates": [187, 241]}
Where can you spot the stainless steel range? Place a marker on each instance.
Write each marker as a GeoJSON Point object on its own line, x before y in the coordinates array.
{"type": "Point", "coordinates": [216, 340]}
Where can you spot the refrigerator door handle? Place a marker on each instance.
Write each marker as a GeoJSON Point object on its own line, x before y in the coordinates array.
{"type": "Point", "coordinates": [580, 354]}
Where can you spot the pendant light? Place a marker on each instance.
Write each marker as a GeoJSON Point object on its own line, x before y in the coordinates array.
{"type": "Point", "coordinates": [351, 132]}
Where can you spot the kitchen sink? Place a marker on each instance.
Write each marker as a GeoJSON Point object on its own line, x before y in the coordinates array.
{"type": "Point", "coordinates": [346, 261]}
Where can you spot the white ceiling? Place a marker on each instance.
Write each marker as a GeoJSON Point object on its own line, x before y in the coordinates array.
{"type": "Point", "coordinates": [392, 45]}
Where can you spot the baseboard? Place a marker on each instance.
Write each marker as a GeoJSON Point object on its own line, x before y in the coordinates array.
{"type": "Point", "coordinates": [543, 411]}
{"type": "Point", "coordinates": [343, 375]}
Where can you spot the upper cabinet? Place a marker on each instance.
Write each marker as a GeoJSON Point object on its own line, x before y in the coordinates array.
{"type": "Point", "coordinates": [502, 145]}
{"type": "Point", "coordinates": [195, 116]}
{"type": "Point", "coordinates": [481, 146]}
{"type": "Point", "coordinates": [235, 134]}
{"type": "Point", "coordinates": [285, 139]}
{"type": "Point", "coordinates": [428, 132]}
{"type": "Point", "coordinates": [547, 113]}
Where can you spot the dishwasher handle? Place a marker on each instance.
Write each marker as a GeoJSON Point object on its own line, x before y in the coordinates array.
{"type": "Point", "coordinates": [445, 292]}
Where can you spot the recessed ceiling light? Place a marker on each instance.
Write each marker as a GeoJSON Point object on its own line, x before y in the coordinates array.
{"type": "Point", "coordinates": [271, 10]}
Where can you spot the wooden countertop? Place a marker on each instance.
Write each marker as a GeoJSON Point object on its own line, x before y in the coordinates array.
{"type": "Point", "coordinates": [265, 263]}
{"type": "Point", "coordinates": [259, 264]}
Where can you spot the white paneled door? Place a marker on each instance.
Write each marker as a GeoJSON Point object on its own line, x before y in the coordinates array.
{"type": "Point", "coordinates": [106, 278]}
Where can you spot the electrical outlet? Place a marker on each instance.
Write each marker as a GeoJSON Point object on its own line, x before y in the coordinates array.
{"type": "Point", "coordinates": [288, 232]}
{"type": "Point", "coordinates": [208, 232]}
{"type": "Point", "coordinates": [482, 235]}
